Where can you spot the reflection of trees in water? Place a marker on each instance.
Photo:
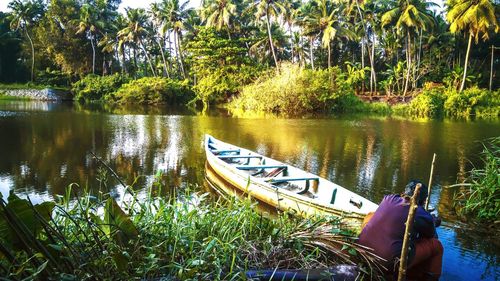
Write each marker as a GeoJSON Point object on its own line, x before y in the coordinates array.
{"type": "Point", "coordinates": [369, 156]}
{"type": "Point", "coordinates": [480, 244]}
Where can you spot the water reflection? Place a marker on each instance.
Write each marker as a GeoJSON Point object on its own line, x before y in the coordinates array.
{"type": "Point", "coordinates": [46, 146]}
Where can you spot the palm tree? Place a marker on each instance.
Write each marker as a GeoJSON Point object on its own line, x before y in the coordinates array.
{"type": "Point", "coordinates": [269, 9]}
{"type": "Point", "coordinates": [157, 21]}
{"type": "Point", "coordinates": [325, 21]}
{"type": "Point", "coordinates": [90, 24]}
{"type": "Point", "coordinates": [475, 17]}
{"type": "Point", "coordinates": [24, 14]}
{"type": "Point", "coordinates": [135, 31]}
{"type": "Point", "coordinates": [408, 16]}
{"type": "Point", "coordinates": [219, 14]}
{"type": "Point", "coordinates": [175, 14]}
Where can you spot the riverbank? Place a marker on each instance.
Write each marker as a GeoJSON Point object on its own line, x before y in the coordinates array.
{"type": "Point", "coordinates": [181, 236]}
{"type": "Point", "coordinates": [34, 92]}
{"type": "Point", "coordinates": [294, 92]}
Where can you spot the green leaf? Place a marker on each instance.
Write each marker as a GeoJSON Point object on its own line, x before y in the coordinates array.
{"type": "Point", "coordinates": [23, 220]}
{"type": "Point", "coordinates": [117, 224]}
{"type": "Point", "coordinates": [121, 261]}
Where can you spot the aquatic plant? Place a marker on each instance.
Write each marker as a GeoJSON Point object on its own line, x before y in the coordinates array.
{"type": "Point", "coordinates": [479, 196]}
{"type": "Point", "coordinates": [180, 237]}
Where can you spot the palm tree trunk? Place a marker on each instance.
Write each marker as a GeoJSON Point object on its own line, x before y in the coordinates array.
{"type": "Point", "coordinates": [32, 55]}
{"type": "Point", "coordinates": [291, 39]}
{"type": "Point", "coordinates": [372, 64]}
{"type": "Point", "coordinates": [124, 62]}
{"type": "Point", "coordinates": [164, 61]}
{"type": "Point", "coordinates": [311, 55]}
{"type": "Point", "coordinates": [134, 51]}
{"type": "Point", "coordinates": [329, 55]}
{"type": "Point", "coordinates": [271, 40]}
{"type": "Point", "coordinates": [408, 63]}
{"type": "Point", "coordinates": [93, 53]}
{"type": "Point", "coordinates": [179, 53]}
{"type": "Point", "coordinates": [466, 62]}
{"type": "Point", "coordinates": [147, 57]}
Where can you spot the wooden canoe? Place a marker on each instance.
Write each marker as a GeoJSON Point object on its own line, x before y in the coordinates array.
{"type": "Point", "coordinates": [283, 186]}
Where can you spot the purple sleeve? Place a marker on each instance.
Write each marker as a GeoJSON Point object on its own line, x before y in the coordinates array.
{"type": "Point", "coordinates": [424, 224]}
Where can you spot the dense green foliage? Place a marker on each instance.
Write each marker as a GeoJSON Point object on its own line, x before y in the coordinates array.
{"type": "Point", "coordinates": [439, 102]}
{"type": "Point", "coordinates": [93, 87]}
{"type": "Point", "coordinates": [479, 197]}
{"type": "Point", "coordinates": [153, 90]}
{"type": "Point", "coordinates": [391, 47]}
{"type": "Point", "coordinates": [184, 238]}
{"type": "Point", "coordinates": [219, 65]}
{"type": "Point", "coordinates": [294, 90]}
{"type": "Point", "coordinates": [473, 102]}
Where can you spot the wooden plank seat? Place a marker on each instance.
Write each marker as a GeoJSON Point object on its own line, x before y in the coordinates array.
{"type": "Point", "coordinates": [238, 156]}
{"type": "Point", "coordinates": [220, 151]}
{"type": "Point", "coordinates": [287, 179]}
{"type": "Point", "coordinates": [254, 167]}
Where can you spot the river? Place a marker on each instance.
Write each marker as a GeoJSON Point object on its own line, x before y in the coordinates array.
{"type": "Point", "coordinates": [46, 146]}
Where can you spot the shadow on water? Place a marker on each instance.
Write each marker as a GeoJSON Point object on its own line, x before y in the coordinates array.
{"type": "Point", "coordinates": [46, 146]}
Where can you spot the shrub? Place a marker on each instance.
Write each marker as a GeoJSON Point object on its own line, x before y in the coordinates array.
{"type": "Point", "coordinates": [153, 90]}
{"type": "Point", "coordinates": [480, 195]}
{"type": "Point", "coordinates": [429, 103]}
{"type": "Point", "coordinates": [93, 87]}
{"type": "Point", "coordinates": [220, 84]}
{"type": "Point", "coordinates": [295, 91]}
{"type": "Point", "coordinates": [55, 78]}
{"type": "Point", "coordinates": [472, 101]}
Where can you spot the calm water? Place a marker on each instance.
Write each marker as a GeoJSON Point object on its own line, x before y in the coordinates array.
{"type": "Point", "coordinates": [45, 146]}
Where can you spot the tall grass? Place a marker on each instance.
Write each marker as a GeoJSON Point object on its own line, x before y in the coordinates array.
{"type": "Point", "coordinates": [479, 197]}
{"type": "Point", "coordinates": [183, 237]}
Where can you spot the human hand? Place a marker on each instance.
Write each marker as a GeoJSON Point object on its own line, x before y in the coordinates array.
{"type": "Point", "coordinates": [437, 220]}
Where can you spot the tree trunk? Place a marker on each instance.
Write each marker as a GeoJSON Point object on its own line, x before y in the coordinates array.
{"type": "Point", "coordinates": [179, 53]}
{"type": "Point", "coordinates": [32, 55]}
{"type": "Point", "coordinates": [311, 55]}
{"type": "Point", "coordinates": [329, 55]}
{"type": "Point", "coordinates": [134, 51]}
{"type": "Point", "coordinates": [124, 62]}
{"type": "Point", "coordinates": [93, 52]}
{"type": "Point", "coordinates": [373, 74]}
{"type": "Point", "coordinates": [164, 61]}
{"type": "Point", "coordinates": [408, 64]}
{"type": "Point", "coordinates": [271, 40]}
{"type": "Point", "coordinates": [147, 57]}
{"type": "Point", "coordinates": [466, 62]}
{"type": "Point", "coordinates": [291, 40]}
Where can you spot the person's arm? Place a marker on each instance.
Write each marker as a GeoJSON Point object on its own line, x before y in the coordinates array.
{"type": "Point", "coordinates": [424, 224]}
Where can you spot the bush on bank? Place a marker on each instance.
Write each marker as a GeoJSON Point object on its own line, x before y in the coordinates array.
{"type": "Point", "coordinates": [433, 103]}
{"type": "Point", "coordinates": [94, 87]}
{"type": "Point", "coordinates": [153, 90]}
{"type": "Point", "coordinates": [295, 91]}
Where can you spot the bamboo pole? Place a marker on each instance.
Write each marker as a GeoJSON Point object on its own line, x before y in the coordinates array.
{"type": "Point", "coordinates": [429, 187]}
{"type": "Point", "coordinates": [406, 241]}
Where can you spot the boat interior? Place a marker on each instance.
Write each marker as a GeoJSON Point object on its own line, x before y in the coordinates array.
{"type": "Point", "coordinates": [276, 174]}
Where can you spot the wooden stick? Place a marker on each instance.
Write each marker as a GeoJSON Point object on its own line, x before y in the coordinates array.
{"type": "Point", "coordinates": [406, 241]}
{"type": "Point", "coordinates": [429, 187]}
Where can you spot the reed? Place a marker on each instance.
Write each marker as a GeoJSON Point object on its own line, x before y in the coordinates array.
{"type": "Point", "coordinates": [479, 196]}
{"type": "Point", "coordinates": [186, 236]}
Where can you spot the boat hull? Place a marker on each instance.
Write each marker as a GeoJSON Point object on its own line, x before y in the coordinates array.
{"type": "Point", "coordinates": [223, 173]}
